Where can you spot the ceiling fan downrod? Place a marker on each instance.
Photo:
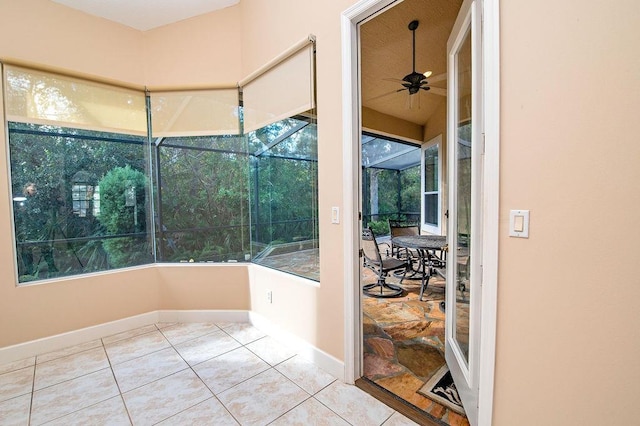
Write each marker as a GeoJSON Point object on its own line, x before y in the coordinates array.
{"type": "Point", "coordinates": [413, 26]}
{"type": "Point", "coordinates": [415, 80]}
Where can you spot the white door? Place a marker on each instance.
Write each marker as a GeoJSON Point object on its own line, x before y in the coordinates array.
{"type": "Point", "coordinates": [465, 174]}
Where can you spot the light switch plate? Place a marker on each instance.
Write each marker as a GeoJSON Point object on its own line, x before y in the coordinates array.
{"type": "Point", "coordinates": [519, 223]}
{"type": "Point", "coordinates": [335, 214]}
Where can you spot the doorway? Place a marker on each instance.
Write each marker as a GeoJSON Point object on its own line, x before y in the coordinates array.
{"type": "Point", "coordinates": [353, 19]}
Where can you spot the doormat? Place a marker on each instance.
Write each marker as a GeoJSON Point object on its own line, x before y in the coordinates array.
{"type": "Point", "coordinates": [441, 389]}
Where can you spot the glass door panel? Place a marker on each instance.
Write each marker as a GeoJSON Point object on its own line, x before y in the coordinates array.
{"type": "Point", "coordinates": [464, 271]}
{"type": "Point", "coordinates": [464, 208]}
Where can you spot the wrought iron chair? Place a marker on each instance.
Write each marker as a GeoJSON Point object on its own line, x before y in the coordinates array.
{"type": "Point", "coordinates": [373, 260]}
{"type": "Point", "coordinates": [398, 229]}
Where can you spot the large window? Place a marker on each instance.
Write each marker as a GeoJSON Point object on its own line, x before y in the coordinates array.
{"type": "Point", "coordinates": [280, 127]}
{"type": "Point", "coordinates": [79, 200]}
{"type": "Point", "coordinates": [284, 196]}
{"type": "Point", "coordinates": [78, 152]}
{"type": "Point", "coordinates": [202, 199]}
{"type": "Point", "coordinates": [105, 177]}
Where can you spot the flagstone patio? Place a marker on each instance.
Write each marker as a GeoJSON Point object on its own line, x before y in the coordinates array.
{"type": "Point", "coordinates": [404, 343]}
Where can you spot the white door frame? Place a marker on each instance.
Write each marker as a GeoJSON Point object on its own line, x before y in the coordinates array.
{"type": "Point", "coordinates": [351, 186]}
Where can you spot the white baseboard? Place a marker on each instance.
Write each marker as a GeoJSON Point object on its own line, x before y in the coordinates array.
{"type": "Point", "coordinates": [76, 337]}
{"type": "Point", "coordinates": [320, 358]}
{"type": "Point", "coordinates": [203, 316]}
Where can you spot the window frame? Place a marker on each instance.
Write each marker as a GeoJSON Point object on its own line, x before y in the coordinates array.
{"type": "Point", "coordinates": [429, 227]}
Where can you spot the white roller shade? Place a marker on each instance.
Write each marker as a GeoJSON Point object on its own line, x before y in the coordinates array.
{"type": "Point", "coordinates": [41, 97]}
{"type": "Point", "coordinates": [195, 113]}
{"type": "Point", "coordinates": [282, 91]}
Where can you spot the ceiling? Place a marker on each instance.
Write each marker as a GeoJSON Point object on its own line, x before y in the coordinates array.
{"type": "Point", "coordinates": [386, 43]}
{"type": "Point", "coordinates": [144, 15]}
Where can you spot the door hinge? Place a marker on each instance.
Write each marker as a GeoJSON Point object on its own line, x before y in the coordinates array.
{"type": "Point", "coordinates": [484, 143]}
{"type": "Point", "coordinates": [359, 215]}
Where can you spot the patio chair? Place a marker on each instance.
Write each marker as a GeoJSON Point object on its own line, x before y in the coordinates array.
{"type": "Point", "coordinates": [398, 229]}
{"type": "Point", "coordinates": [372, 259]}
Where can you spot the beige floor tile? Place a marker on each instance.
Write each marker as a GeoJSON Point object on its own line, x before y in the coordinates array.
{"type": "Point", "coordinates": [305, 374]}
{"type": "Point", "coordinates": [270, 350]}
{"type": "Point", "coordinates": [129, 333]}
{"type": "Point", "coordinates": [354, 405]}
{"type": "Point", "coordinates": [227, 370]}
{"type": "Point", "coordinates": [262, 398]}
{"type": "Point", "coordinates": [69, 367]}
{"type": "Point", "coordinates": [106, 413]}
{"type": "Point", "coordinates": [166, 397]}
{"type": "Point", "coordinates": [398, 419]}
{"type": "Point", "coordinates": [225, 324]}
{"type": "Point", "coordinates": [244, 332]}
{"type": "Point", "coordinates": [15, 411]}
{"type": "Point", "coordinates": [135, 347]}
{"type": "Point", "coordinates": [162, 325]}
{"type": "Point", "coordinates": [208, 412]}
{"type": "Point", "coordinates": [310, 412]}
{"type": "Point", "coordinates": [16, 383]}
{"type": "Point", "coordinates": [206, 347]}
{"type": "Point", "coordinates": [73, 395]}
{"type": "Point", "coordinates": [49, 356]}
{"type": "Point", "coordinates": [181, 332]}
{"type": "Point", "coordinates": [148, 368]}
{"type": "Point", "coordinates": [17, 365]}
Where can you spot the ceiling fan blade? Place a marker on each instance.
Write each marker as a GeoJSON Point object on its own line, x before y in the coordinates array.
{"type": "Point", "coordinates": [395, 80]}
{"type": "Point", "coordinates": [385, 94]}
{"type": "Point", "coordinates": [437, 78]}
{"type": "Point", "coordinates": [435, 90]}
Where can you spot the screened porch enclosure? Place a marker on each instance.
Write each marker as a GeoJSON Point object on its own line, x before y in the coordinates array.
{"type": "Point", "coordinates": [390, 182]}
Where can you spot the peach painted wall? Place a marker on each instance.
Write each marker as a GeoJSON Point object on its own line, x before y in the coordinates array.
{"type": "Point", "coordinates": [199, 51]}
{"type": "Point", "coordinates": [46, 33]}
{"type": "Point", "coordinates": [204, 286]}
{"type": "Point", "coordinates": [376, 121]}
{"type": "Point", "coordinates": [568, 339]}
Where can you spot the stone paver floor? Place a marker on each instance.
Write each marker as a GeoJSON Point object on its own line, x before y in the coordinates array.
{"type": "Point", "coordinates": [404, 343]}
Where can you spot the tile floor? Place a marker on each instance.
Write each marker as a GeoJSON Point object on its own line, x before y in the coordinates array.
{"type": "Point", "coordinates": [182, 374]}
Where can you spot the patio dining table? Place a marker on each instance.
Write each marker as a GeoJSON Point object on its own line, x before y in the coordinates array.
{"type": "Point", "coordinates": [426, 247]}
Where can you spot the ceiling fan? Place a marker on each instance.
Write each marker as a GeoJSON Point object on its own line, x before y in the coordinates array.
{"type": "Point", "coordinates": [415, 81]}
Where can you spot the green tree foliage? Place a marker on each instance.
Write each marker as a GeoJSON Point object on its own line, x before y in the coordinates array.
{"type": "Point", "coordinates": [410, 190]}
{"type": "Point", "coordinates": [122, 201]}
{"type": "Point", "coordinates": [284, 177]}
{"type": "Point", "coordinates": [123, 211]}
{"type": "Point", "coordinates": [204, 199]}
